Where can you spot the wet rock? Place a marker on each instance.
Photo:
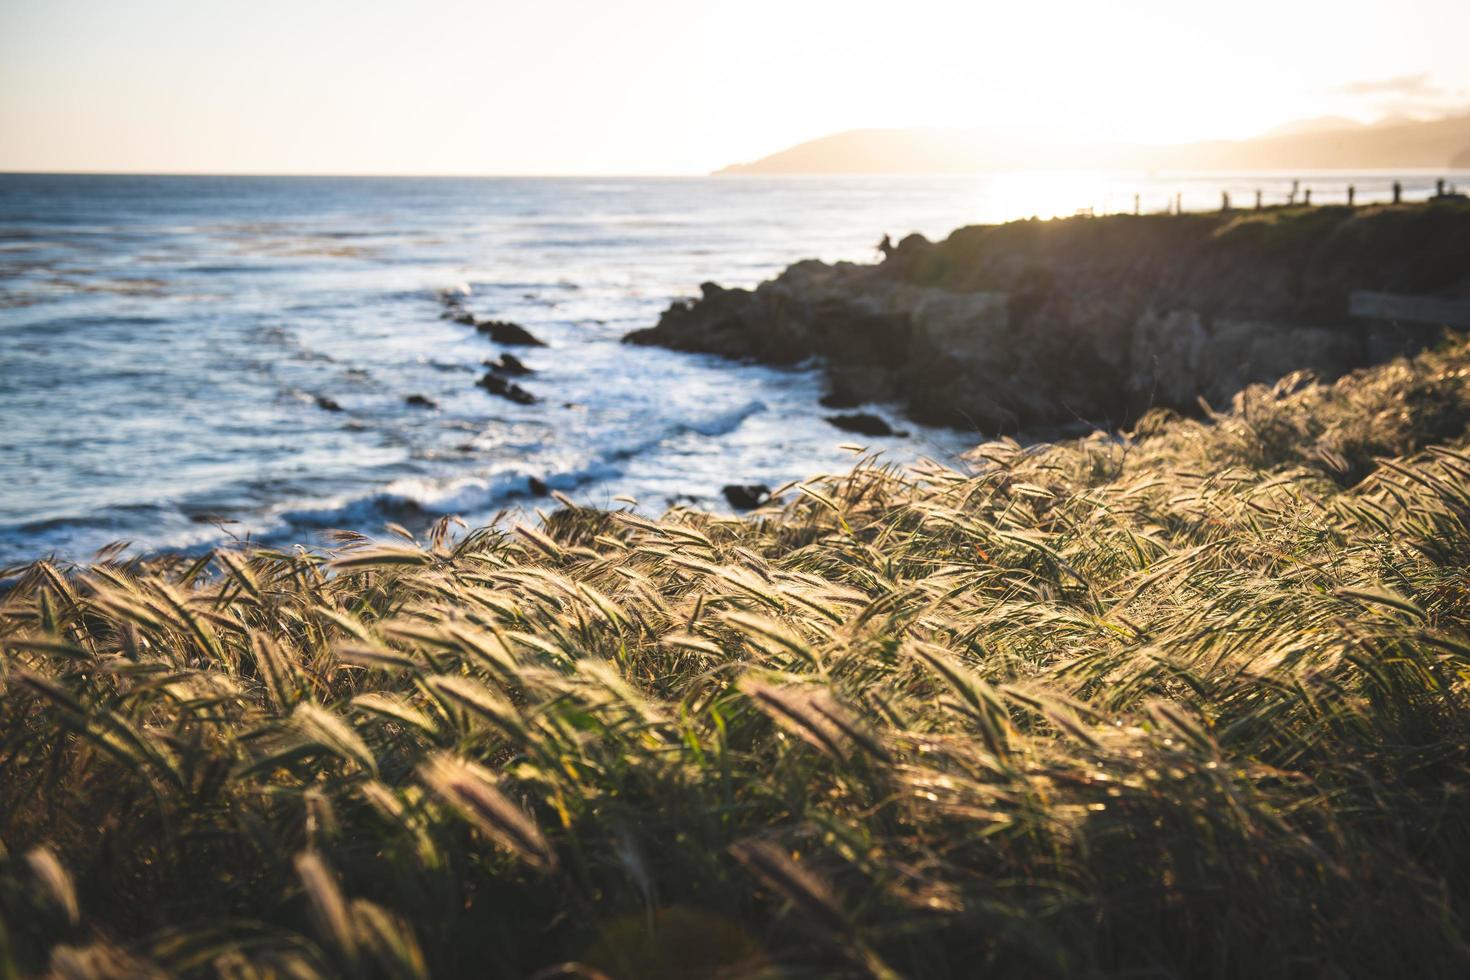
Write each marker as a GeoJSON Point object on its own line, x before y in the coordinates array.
{"type": "Point", "coordinates": [497, 385]}
{"type": "Point", "coordinates": [537, 486]}
{"type": "Point", "coordinates": [327, 404]}
{"type": "Point", "coordinates": [420, 401]}
{"type": "Point", "coordinates": [508, 364]}
{"type": "Point", "coordinates": [747, 496]}
{"type": "Point", "coordinates": [511, 334]}
{"type": "Point", "coordinates": [461, 316]}
{"type": "Point", "coordinates": [863, 423]}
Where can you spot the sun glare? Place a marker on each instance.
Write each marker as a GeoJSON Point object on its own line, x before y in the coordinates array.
{"type": "Point", "coordinates": [657, 87]}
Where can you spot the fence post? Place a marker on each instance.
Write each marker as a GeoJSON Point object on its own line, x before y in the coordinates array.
{"type": "Point", "coordinates": [1258, 199]}
{"type": "Point", "coordinates": [1398, 192]}
{"type": "Point", "coordinates": [1179, 201]}
{"type": "Point", "coordinates": [1439, 187]}
{"type": "Point", "coordinates": [1136, 203]}
{"type": "Point", "coordinates": [1307, 197]}
{"type": "Point", "coordinates": [1294, 185]}
{"type": "Point", "coordinates": [1352, 192]}
{"type": "Point", "coordinates": [1224, 200]}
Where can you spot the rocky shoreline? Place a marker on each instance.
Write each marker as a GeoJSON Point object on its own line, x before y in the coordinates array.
{"type": "Point", "coordinates": [1032, 324]}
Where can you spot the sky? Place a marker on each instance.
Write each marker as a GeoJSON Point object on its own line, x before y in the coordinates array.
{"type": "Point", "coordinates": [677, 86]}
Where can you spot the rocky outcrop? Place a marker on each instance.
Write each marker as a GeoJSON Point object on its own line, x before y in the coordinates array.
{"type": "Point", "coordinates": [863, 423]}
{"type": "Point", "coordinates": [1037, 323]}
{"type": "Point", "coordinates": [510, 334]}
{"type": "Point", "coordinates": [509, 364]}
{"type": "Point", "coordinates": [747, 496]}
{"type": "Point", "coordinates": [508, 390]}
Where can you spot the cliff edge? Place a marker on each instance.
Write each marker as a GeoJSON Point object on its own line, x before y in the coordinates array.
{"type": "Point", "coordinates": [1036, 323]}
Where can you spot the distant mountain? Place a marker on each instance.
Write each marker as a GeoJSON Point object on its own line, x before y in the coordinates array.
{"type": "Point", "coordinates": [1394, 146]}
{"type": "Point", "coordinates": [1323, 144]}
{"type": "Point", "coordinates": [1321, 124]}
{"type": "Point", "coordinates": [927, 151]}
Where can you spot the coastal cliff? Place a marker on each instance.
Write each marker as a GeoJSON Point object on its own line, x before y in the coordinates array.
{"type": "Point", "coordinates": [1037, 323]}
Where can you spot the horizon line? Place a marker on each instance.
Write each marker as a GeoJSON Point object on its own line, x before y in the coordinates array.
{"type": "Point", "coordinates": [729, 172]}
{"type": "Point", "coordinates": [78, 172]}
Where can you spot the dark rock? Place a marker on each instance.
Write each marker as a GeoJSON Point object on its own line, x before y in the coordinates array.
{"type": "Point", "coordinates": [862, 423]}
{"type": "Point", "coordinates": [463, 316]}
{"type": "Point", "coordinates": [511, 334]}
{"type": "Point", "coordinates": [421, 401]}
{"type": "Point", "coordinates": [747, 496]}
{"type": "Point", "coordinates": [727, 322]}
{"type": "Point", "coordinates": [497, 385]}
{"type": "Point", "coordinates": [509, 364]}
{"type": "Point", "coordinates": [839, 397]}
{"type": "Point", "coordinates": [537, 486]}
{"type": "Point", "coordinates": [323, 402]}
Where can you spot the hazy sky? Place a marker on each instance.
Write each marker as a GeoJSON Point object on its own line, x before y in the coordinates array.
{"type": "Point", "coordinates": [676, 86]}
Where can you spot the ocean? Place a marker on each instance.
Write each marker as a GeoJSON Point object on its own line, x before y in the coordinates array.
{"type": "Point", "coordinates": [167, 343]}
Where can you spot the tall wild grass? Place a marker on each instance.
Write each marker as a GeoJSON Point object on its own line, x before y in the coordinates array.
{"type": "Point", "coordinates": [1191, 702]}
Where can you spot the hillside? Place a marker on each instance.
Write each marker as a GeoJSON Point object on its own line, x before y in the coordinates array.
{"type": "Point", "coordinates": [1443, 143]}
{"type": "Point", "coordinates": [1190, 702]}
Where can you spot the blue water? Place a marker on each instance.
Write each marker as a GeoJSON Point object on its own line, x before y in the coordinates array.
{"type": "Point", "coordinates": [164, 341]}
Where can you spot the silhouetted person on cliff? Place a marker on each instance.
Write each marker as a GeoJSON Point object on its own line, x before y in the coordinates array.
{"type": "Point", "coordinates": [886, 245]}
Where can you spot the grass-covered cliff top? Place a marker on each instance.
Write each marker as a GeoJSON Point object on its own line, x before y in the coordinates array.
{"type": "Point", "coordinates": [1190, 703]}
{"type": "Point", "coordinates": [1289, 263]}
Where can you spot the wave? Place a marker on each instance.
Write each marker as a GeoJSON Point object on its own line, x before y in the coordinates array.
{"type": "Point", "coordinates": [407, 498]}
{"type": "Point", "coordinates": [237, 268]}
{"type": "Point", "coordinates": [414, 501]}
{"type": "Point", "coordinates": [726, 422]}
{"type": "Point", "coordinates": [411, 500]}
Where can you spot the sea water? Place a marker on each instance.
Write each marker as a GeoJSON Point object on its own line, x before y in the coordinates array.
{"type": "Point", "coordinates": [166, 342]}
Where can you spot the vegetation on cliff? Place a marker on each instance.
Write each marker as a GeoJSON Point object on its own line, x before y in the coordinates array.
{"type": "Point", "coordinates": [1190, 702]}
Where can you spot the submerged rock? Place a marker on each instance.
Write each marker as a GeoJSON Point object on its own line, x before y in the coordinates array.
{"type": "Point", "coordinates": [747, 496]}
{"type": "Point", "coordinates": [327, 404]}
{"type": "Point", "coordinates": [421, 401]}
{"type": "Point", "coordinates": [511, 334]}
{"type": "Point", "coordinates": [863, 423]}
{"type": "Point", "coordinates": [537, 486]}
{"type": "Point", "coordinates": [497, 385]}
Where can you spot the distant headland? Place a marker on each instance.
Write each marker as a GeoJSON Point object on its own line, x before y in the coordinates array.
{"type": "Point", "coordinates": [1327, 144]}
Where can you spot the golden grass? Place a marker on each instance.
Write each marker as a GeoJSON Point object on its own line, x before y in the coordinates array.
{"type": "Point", "coordinates": [1187, 703]}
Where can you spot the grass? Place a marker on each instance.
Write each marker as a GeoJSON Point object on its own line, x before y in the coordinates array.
{"type": "Point", "coordinates": [1189, 703]}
